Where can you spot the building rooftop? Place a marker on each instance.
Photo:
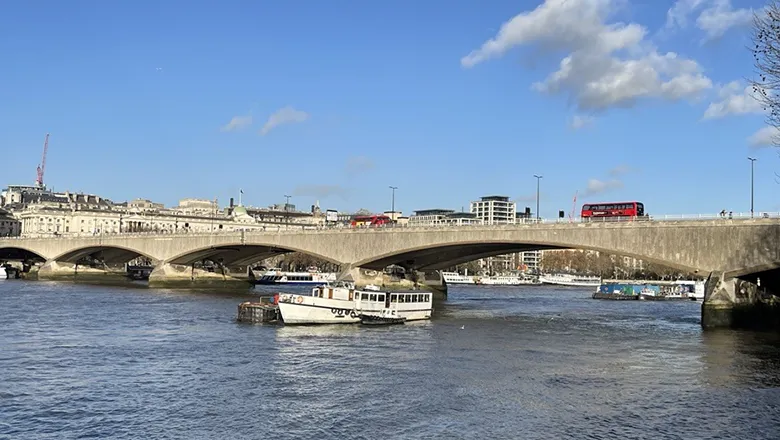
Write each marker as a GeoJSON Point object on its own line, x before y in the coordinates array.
{"type": "Point", "coordinates": [461, 215]}
{"type": "Point", "coordinates": [434, 212]}
{"type": "Point", "coordinates": [494, 199]}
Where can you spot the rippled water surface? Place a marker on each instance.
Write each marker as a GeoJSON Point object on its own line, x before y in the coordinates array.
{"type": "Point", "coordinates": [530, 363]}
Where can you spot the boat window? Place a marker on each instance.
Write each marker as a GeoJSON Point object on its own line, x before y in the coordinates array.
{"type": "Point", "coordinates": [373, 297]}
{"type": "Point", "coordinates": [414, 298]}
{"type": "Point", "coordinates": [425, 297]}
{"type": "Point", "coordinates": [393, 298]}
{"type": "Point", "coordinates": [401, 298]}
{"type": "Point", "coordinates": [364, 296]}
{"type": "Point", "coordinates": [380, 298]}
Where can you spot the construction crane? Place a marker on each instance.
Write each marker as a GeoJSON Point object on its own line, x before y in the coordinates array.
{"type": "Point", "coordinates": [42, 166]}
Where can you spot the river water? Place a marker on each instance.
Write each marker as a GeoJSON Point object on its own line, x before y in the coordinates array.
{"type": "Point", "coordinates": [495, 362]}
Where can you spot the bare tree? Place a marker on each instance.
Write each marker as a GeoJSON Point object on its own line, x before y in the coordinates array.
{"type": "Point", "coordinates": [766, 55]}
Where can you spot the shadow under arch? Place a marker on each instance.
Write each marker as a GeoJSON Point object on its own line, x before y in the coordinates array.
{"type": "Point", "coordinates": [239, 254]}
{"type": "Point", "coordinates": [446, 255]}
{"type": "Point", "coordinates": [20, 253]}
{"type": "Point", "coordinates": [108, 254]}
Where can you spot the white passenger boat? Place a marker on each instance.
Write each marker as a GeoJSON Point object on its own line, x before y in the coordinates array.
{"type": "Point", "coordinates": [341, 303]}
{"type": "Point", "coordinates": [570, 280]}
{"type": "Point", "coordinates": [456, 278]}
{"type": "Point", "coordinates": [275, 276]}
{"type": "Point", "coordinates": [502, 280]}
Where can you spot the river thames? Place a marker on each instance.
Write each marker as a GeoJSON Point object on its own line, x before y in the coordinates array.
{"type": "Point", "coordinates": [495, 362]}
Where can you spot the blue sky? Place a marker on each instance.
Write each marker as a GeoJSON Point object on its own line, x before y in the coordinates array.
{"type": "Point", "coordinates": [335, 101]}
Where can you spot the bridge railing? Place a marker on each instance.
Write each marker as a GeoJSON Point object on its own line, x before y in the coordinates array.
{"type": "Point", "coordinates": [316, 228]}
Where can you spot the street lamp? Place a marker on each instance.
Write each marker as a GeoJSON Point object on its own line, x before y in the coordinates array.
{"type": "Point", "coordinates": [392, 205]}
{"type": "Point", "coordinates": [538, 179]}
{"type": "Point", "coordinates": [752, 162]}
{"type": "Point", "coordinates": [287, 209]}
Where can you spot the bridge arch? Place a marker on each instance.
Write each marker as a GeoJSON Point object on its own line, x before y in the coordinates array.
{"type": "Point", "coordinates": [109, 254]}
{"type": "Point", "coordinates": [240, 254]}
{"type": "Point", "coordinates": [19, 253]}
{"type": "Point", "coordinates": [444, 255]}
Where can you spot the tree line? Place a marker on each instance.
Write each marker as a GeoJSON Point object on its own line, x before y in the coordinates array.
{"type": "Point", "coordinates": [606, 266]}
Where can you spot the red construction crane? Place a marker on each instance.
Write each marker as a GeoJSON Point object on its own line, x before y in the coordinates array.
{"type": "Point", "coordinates": [42, 166]}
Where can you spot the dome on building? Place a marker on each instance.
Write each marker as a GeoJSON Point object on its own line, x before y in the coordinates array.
{"type": "Point", "coordinates": [239, 211]}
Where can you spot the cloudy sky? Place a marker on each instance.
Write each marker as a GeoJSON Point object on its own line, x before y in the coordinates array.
{"type": "Point", "coordinates": [336, 101]}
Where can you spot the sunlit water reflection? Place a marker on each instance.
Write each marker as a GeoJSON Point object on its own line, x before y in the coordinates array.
{"type": "Point", "coordinates": [495, 362]}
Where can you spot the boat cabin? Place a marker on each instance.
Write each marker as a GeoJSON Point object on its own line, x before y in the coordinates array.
{"type": "Point", "coordinates": [341, 290]}
{"type": "Point", "coordinates": [376, 300]}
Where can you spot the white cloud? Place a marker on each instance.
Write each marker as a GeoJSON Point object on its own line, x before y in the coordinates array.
{"type": "Point", "coordinates": [608, 64]}
{"type": "Point", "coordinates": [596, 186]}
{"type": "Point", "coordinates": [578, 122]}
{"type": "Point", "coordinates": [719, 18]}
{"type": "Point", "coordinates": [238, 122]}
{"type": "Point", "coordinates": [320, 191]}
{"type": "Point", "coordinates": [286, 115]}
{"type": "Point", "coordinates": [677, 15]}
{"type": "Point", "coordinates": [715, 18]}
{"type": "Point", "coordinates": [734, 100]}
{"type": "Point", "coordinates": [620, 170]}
{"type": "Point", "coordinates": [766, 137]}
{"type": "Point", "coordinates": [358, 164]}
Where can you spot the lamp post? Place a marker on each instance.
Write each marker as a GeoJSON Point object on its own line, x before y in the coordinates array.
{"type": "Point", "coordinates": [287, 209]}
{"type": "Point", "coordinates": [538, 179]}
{"type": "Point", "coordinates": [752, 162]}
{"type": "Point", "coordinates": [392, 203]}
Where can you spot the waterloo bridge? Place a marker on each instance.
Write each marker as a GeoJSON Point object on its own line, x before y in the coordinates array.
{"type": "Point", "coordinates": [739, 257]}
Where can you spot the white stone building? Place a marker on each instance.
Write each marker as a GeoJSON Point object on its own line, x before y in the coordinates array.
{"type": "Point", "coordinates": [9, 225]}
{"type": "Point", "coordinates": [39, 212]}
{"type": "Point", "coordinates": [433, 217]}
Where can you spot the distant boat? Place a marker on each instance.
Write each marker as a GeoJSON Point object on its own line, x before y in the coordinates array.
{"type": "Point", "coordinates": [562, 279]}
{"type": "Point", "coordinates": [695, 289]}
{"type": "Point", "coordinates": [507, 280]}
{"type": "Point", "coordinates": [456, 278]}
{"type": "Point", "coordinates": [651, 290]}
{"type": "Point", "coordinates": [275, 276]}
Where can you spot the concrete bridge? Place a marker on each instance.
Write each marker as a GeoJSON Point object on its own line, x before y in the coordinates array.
{"type": "Point", "coordinates": [737, 255]}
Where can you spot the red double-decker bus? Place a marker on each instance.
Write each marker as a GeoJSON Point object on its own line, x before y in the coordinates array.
{"type": "Point", "coordinates": [613, 209]}
{"type": "Point", "coordinates": [370, 220]}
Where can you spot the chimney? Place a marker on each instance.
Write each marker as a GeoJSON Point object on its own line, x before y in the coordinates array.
{"type": "Point", "coordinates": [231, 202]}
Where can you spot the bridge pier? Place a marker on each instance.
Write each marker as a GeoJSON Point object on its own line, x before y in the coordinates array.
{"type": "Point", "coordinates": [737, 303]}
{"type": "Point", "coordinates": [73, 272]}
{"type": "Point", "coordinates": [412, 279]}
{"type": "Point", "coordinates": [179, 276]}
